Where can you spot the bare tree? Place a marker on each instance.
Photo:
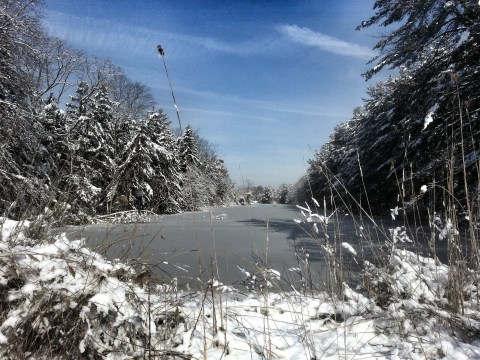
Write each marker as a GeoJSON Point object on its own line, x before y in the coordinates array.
{"type": "Point", "coordinates": [19, 129]}
{"type": "Point", "coordinates": [55, 68]}
{"type": "Point", "coordinates": [18, 23]}
{"type": "Point", "coordinates": [131, 99]}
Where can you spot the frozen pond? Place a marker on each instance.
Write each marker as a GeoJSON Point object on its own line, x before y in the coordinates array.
{"type": "Point", "coordinates": [219, 243]}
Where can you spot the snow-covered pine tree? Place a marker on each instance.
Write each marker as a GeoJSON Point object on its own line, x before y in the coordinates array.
{"type": "Point", "coordinates": [434, 44]}
{"type": "Point", "coordinates": [412, 123]}
{"type": "Point", "coordinates": [129, 188]}
{"type": "Point", "coordinates": [101, 151]}
{"type": "Point", "coordinates": [267, 196]}
{"type": "Point", "coordinates": [284, 194]}
{"type": "Point", "coordinates": [147, 175]}
{"type": "Point", "coordinates": [79, 103]}
{"type": "Point", "coordinates": [83, 139]}
{"type": "Point", "coordinates": [167, 182]}
{"type": "Point", "coordinates": [56, 138]}
{"type": "Point", "coordinates": [216, 175]}
{"type": "Point", "coordinates": [188, 149]}
{"type": "Point", "coordinates": [78, 121]}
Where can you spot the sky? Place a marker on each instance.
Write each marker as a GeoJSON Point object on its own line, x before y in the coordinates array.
{"type": "Point", "coordinates": [264, 81]}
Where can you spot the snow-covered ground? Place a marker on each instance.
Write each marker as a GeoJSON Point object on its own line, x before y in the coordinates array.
{"type": "Point", "coordinates": [62, 300]}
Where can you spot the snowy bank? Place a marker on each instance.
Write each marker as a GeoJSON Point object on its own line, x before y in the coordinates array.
{"type": "Point", "coordinates": [62, 300]}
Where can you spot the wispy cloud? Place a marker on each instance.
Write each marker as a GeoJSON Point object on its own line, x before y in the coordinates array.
{"type": "Point", "coordinates": [308, 37]}
{"type": "Point", "coordinates": [241, 48]}
{"type": "Point", "coordinates": [94, 33]}
{"type": "Point", "coordinates": [266, 105]}
{"type": "Point", "coordinates": [229, 115]}
{"type": "Point", "coordinates": [107, 34]}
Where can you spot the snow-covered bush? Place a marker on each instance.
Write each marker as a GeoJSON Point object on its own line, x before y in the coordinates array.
{"type": "Point", "coordinates": [59, 299]}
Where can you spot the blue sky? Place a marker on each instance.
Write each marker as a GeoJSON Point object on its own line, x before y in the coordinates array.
{"type": "Point", "coordinates": [264, 81]}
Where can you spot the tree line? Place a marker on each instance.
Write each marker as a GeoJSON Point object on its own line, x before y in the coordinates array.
{"type": "Point", "coordinates": [418, 132]}
{"type": "Point", "coordinates": [79, 139]}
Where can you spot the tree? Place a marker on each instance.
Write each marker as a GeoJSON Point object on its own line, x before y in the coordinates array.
{"type": "Point", "coordinates": [267, 196]}
{"type": "Point", "coordinates": [131, 100]}
{"type": "Point", "coordinates": [284, 194]}
{"type": "Point", "coordinates": [101, 151]}
{"type": "Point", "coordinates": [430, 34]}
{"type": "Point", "coordinates": [147, 174]}
{"type": "Point", "coordinates": [436, 44]}
{"type": "Point", "coordinates": [105, 153]}
{"type": "Point", "coordinates": [91, 146]}
{"type": "Point", "coordinates": [18, 22]}
{"type": "Point", "coordinates": [167, 183]}
{"type": "Point", "coordinates": [206, 181]}
{"type": "Point", "coordinates": [55, 67]}
{"type": "Point", "coordinates": [56, 139]}
{"type": "Point", "coordinates": [417, 121]}
{"type": "Point", "coordinates": [218, 184]}
{"type": "Point", "coordinates": [21, 154]}
{"type": "Point", "coordinates": [188, 149]}
{"type": "Point", "coordinates": [135, 171]}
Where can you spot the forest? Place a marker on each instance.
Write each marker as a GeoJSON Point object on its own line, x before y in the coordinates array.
{"type": "Point", "coordinates": [419, 129]}
{"type": "Point", "coordinates": [80, 139]}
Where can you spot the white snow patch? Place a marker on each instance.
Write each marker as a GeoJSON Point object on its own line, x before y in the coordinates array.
{"type": "Point", "coordinates": [394, 212]}
{"type": "Point", "coordinates": [349, 248]}
{"type": "Point", "coordinates": [12, 230]}
{"type": "Point", "coordinates": [429, 116]}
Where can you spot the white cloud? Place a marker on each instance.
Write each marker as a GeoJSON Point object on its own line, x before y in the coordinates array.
{"type": "Point", "coordinates": [307, 37]}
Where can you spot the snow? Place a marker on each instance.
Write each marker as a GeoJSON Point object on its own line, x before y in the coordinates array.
{"type": "Point", "coordinates": [399, 234]}
{"type": "Point", "coordinates": [429, 117]}
{"type": "Point", "coordinates": [394, 212]}
{"type": "Point", "coordinates": [448, 229]}
{"type": "Point", "coordinates": [11, 229]}
{"type": "Point", "coordinates": [312, 217]}
{"type": "Point", "coordinates": [349, 248]}
{"type": "Point", "coordinates": [59, 285]}
{"type": "Point", "coordinates": [463, 37]}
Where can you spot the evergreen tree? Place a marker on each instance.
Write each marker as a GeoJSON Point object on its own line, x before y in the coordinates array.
{"type": "Point", "coordinates": [284, 194]}
{"type": "Point", "coordinates": [97, 156]}
{"type": "Point", "coordinates": [79, 103]}
{"type": "Point", "coordinates": [164, 150]}
{"type": "Point", "coordinates": [436, 45]}
{"type": "Point", "coordinates": [188, 149]}
{"type": "Point", "coordinates": [267, 196]}
{"type": "Point", "coordinates": [101, 131]}
{"type": "Point", "coordinates": [418, 121]}
{"type": "Point", "coordinates": [83, 140]}
{"type": "Point", "coordinates": [56, 138]}
{"type": "Point", "coordinates": [133, 174]}
{"type": "Point", "coordinates": [147, 176]}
